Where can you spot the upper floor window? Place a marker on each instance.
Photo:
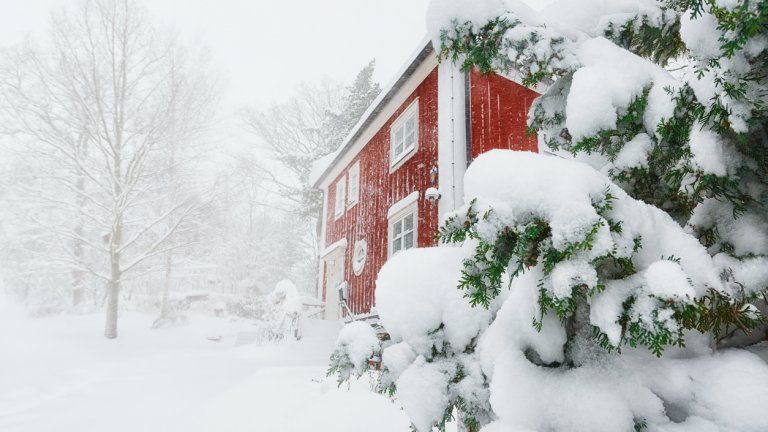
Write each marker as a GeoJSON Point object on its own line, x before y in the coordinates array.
{"type": "Point", "coordinates": [340, 195]}
{"type": "Point", "coordinates": [353, 193]}
{"type": "Point", "coordinates": [404, 134]}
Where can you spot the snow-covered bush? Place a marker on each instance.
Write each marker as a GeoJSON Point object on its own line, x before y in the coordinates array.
{"type": "Point", "coordinates": [632, 261]}
{"type": "Point", "coordinates": [357, 343]}
{"type": "Point", "coordinates": [429, 358]}
{"type": "Point", "coordinates": [282, 314]}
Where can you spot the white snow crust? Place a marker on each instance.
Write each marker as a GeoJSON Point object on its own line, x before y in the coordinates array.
{"type": "Point", "coordinates": [422, 390]}
{"type": "Point", "coordinates": [60, 374]}
{"type": "Point", "coordinates": [711, 154]}
{"type": "Point", "coordinates": [634, 154]}
{"type": "Point", "coordinates": [426, 279]}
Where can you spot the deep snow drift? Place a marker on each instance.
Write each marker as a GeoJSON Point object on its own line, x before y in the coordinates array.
{"type": "Point", "coordinates": [60, 374]}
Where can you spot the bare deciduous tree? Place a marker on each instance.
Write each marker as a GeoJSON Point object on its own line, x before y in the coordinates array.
{"type": "Point", "coordinates": [113, 102]}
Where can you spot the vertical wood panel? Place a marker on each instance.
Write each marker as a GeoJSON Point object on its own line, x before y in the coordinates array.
{"type": "Point", "coordinates": [499, 112]}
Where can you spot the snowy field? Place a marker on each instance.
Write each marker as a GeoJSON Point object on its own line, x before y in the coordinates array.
{"type": "Point", "coordinates": [59, 374]}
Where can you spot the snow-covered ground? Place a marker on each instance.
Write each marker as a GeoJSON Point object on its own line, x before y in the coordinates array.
{"type": "Point", "coordinates": [60, 374]}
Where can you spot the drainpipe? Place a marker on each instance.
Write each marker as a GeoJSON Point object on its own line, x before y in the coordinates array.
{"type": "Point", "coordinates": [452, 136]}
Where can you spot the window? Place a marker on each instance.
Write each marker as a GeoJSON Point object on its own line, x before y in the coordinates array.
{"type": "Point", "coordinates": [403, 232]}
{"type": "Point", "coordinates": [404, 134]}
{"type": "Point", "coordinates": [340, 195]}
{"type": "Point", "coordinates": [354, 184]}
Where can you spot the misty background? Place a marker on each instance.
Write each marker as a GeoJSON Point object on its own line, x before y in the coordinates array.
{"type": "Point", "coordinates": [193, 183]}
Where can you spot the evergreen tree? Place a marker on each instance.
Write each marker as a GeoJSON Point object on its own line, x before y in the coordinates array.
{"type": "Point", "coordinates": [663, 240]}
{"type": "Point", "coordinates": [694, 147]}
{"type": "Point", "coordinates": [358, 97]}
{"type": "Point", "coordinates": [308, 127]}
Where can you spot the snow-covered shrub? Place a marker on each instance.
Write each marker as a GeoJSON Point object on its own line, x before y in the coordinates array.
{"type": "Point", "coordinates": [282, 314]}
{"type": "Point", "coordinates": [627, 280]}
{"type": "Point", "coordinates": [429, 358]}
{"type": "Point", "coordinates": [357, 343]}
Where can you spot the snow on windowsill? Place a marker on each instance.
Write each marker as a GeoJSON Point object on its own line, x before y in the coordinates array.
{"type": "Point", "coordinates": [341, 244]}
{"type": "Point", "coordinates": [402, 204]}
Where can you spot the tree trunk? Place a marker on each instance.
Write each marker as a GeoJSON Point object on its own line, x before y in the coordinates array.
{"type": "Point", "coordinates": [580, 347]}
{"type": "Point", "coordinates": [167, 286]}
{"type": "Point", "coordinates": [78, 251]}
{"type": "Point", "coordinates": [113, 288]}
{"type": "Point", "coordinates": [113, 299]}
{"type": "Point", "coordinates": [77, 275]}
{"type": "Point", "coordinates": [77, 290]}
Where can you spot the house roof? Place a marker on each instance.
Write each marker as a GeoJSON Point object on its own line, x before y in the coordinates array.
{"type": "Point", "coordinates": [323, 167]}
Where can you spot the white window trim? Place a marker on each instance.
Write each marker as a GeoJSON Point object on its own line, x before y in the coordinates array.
{"type": "Point", "coordinates": [396, 161]}
{"type": "Point", "coordinates": [412, 208]}
{"type": "Point", "coordinates": [339, 245]}
{"type": "Point", "coordinates": [351, 201]}
{"type": "Point", "coordinates": [341, 190]}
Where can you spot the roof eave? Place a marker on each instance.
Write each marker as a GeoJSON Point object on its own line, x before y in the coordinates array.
{"type": "Point", "coordinates": [376, 107]}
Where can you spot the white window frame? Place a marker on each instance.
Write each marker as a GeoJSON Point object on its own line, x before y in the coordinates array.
{"type": "Point", "coordinates": [341, 195]}
{"type": "Point", "coordinates": [397, 159]}
{"type": "Point", "coordinates": [353, 189]}
{"type": "Point", "coordinates": [399, 217]}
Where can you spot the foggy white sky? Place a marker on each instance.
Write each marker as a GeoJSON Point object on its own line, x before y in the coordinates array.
{"type": "Point", "coordinates": [263, 49]}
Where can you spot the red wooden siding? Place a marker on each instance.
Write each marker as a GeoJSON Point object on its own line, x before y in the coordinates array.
{"type": "Point", "coordinates": [379, 190]}
{"type": "Point", "coordinates": [499, 113]}
{"type": "Point", "coordinates": [499, 109]}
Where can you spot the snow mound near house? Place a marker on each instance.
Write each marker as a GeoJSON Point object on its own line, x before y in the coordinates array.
{"type": "Point", "coordinates": [416, 294]}
{"type": "Point", "coordinates": [715, 392]}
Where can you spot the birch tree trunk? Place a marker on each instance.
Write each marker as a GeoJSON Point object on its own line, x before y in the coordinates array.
{"type": "Point", "coordinates": [78, 276]}
{"type": "Point", "coordinates": [164, 311]}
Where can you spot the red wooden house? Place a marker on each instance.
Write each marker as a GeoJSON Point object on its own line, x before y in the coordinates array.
{"type": "Point", "coordinates": [414, 141]}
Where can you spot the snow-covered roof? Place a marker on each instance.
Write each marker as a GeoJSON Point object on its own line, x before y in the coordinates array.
{"type": "Point", "coordinates": [322, 167]}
